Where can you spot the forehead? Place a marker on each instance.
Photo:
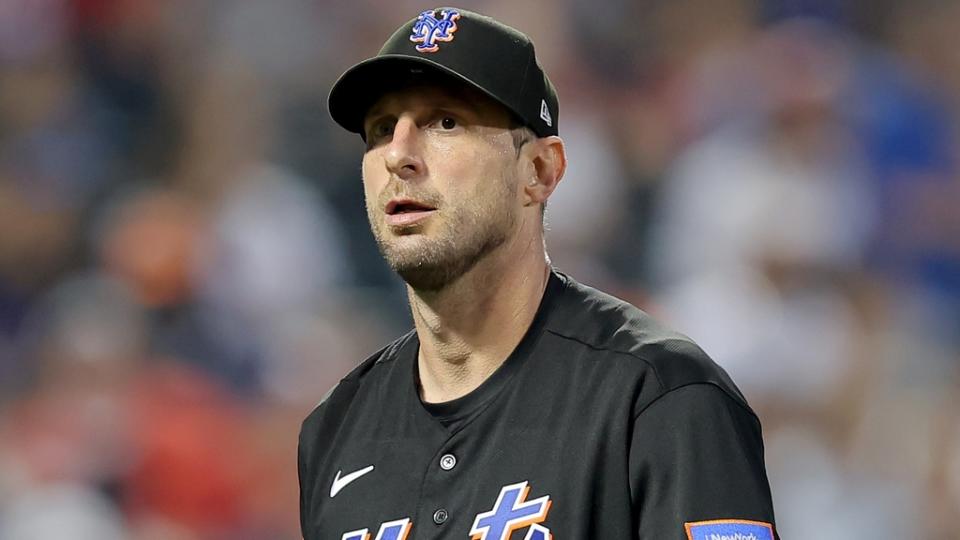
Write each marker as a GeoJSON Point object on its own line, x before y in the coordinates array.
{"type": "Point", "coordinates": [439, 93]}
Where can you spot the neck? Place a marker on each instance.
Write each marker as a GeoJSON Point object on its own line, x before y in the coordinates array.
{"type": "Point", "coordinates": [469, 328]}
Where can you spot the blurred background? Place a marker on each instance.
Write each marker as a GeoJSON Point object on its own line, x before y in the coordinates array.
{"type": "Point", "coordinates": [186, 268]}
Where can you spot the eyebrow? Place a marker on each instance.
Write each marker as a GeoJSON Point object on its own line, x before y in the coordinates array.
{"type": "Point", "coordinates": [374, 111]}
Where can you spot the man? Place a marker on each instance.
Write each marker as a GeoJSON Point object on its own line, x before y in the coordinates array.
{"type": "Point", "coordinates": [523, 405]}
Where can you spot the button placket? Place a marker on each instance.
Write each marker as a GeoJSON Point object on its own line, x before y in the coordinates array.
{"type": "Point", "coordinates": [440, 497]}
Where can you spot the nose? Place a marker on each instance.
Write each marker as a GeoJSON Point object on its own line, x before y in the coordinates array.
{"type": "Point", "coordinates": [404, 157]}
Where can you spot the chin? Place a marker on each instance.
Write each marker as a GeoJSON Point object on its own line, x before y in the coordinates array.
{"type": "Point", "coordinates": [424, 264]}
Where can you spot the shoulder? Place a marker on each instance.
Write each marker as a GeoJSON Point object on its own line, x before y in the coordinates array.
{"type": "Point", "coordinates": [616, 329]}
{"type": "Point", "coordinates": [334, 402]}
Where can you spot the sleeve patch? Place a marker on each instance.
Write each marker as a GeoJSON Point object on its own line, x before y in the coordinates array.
{"type": "Point", "coordinates": [729, 529]}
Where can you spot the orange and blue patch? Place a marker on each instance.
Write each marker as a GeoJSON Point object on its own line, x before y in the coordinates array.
{"type": "Point", "coordinates": [729, 529]}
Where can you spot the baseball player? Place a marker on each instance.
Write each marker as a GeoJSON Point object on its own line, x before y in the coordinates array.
{"type": "Point", "coordinates": [523, 405]}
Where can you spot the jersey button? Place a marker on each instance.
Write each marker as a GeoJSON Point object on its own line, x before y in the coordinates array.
{"type": "Point", "coordinates": [448, 461]}
{"type": "Point", "coordinates": [440, 516]}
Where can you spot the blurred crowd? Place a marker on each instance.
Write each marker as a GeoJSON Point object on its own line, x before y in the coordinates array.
{"type": "Point", "coordinates": [186, 267]}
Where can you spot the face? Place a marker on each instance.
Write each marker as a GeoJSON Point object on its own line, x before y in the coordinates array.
{"type": "Point", "coordinates": [440, 178]}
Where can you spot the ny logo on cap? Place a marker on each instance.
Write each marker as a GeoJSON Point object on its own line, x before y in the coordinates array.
{"type": "Point", "coordinates": [428, 29]}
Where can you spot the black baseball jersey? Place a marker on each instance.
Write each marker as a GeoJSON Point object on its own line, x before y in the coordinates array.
{"type": "Point", "coordinates": [601, 424]}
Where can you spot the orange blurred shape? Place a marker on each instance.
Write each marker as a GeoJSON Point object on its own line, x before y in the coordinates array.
{"type": "Point", "coordinates": [152, 244]}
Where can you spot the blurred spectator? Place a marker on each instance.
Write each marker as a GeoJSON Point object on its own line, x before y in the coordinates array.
{"type": "Point", "coordinates": [791, 226]}
{"type": "Point", "coordinates": [764, 230]}
{"type": "Point", "coordinates": [53, 155]}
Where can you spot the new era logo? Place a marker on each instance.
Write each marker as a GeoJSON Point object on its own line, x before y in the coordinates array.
{"type": "Point", "coordinates": [545, 113]}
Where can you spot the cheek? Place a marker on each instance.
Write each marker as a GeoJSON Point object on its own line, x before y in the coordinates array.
{"type": "Point", "coordinates": [374, 178]}
{"type": "Point", "coordinates": [498, 177]}
{"type": "Point", "coordinates": [477, 172]}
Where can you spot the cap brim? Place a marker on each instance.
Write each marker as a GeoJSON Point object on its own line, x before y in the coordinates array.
{"type": "Point", "coordinates": [362, 85]}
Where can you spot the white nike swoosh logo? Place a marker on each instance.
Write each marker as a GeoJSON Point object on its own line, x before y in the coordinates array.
{"type": "Point", "coordinates": [340, 483]}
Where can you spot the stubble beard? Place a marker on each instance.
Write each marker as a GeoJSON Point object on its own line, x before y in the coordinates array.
{"type": "Point", "coordinates": [464, 237]}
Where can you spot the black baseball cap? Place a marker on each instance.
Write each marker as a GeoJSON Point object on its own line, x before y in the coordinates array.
{"type": "Point", "coordinates": [473, 49]}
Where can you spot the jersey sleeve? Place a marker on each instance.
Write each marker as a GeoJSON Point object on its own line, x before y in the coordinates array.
{"type": "Point", "coordinates": [696, 468]}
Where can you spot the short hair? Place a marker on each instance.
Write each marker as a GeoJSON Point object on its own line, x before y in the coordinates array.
{"type": "Point", "coordinates": [521, 136]}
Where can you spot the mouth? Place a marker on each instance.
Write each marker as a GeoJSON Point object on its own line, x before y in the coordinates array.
{"type": "Point", "coordinates": [403, 212]}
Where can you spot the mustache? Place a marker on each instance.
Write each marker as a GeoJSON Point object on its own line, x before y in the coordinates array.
{"type": "Point", "coordinates": [404, 190]}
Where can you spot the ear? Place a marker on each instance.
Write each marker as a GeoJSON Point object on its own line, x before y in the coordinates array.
{"type": "Point", "coordinates": [548, 158]}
